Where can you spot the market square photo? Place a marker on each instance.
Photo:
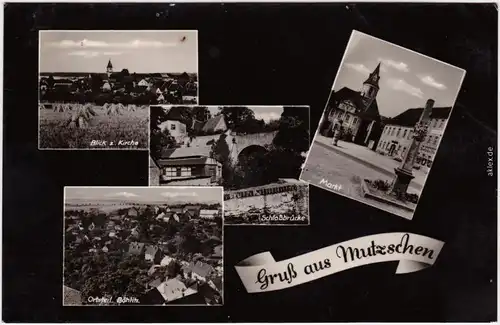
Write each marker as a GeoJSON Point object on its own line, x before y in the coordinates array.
{"type": "Point", "coordinates": [143, 246]}
{"type": "Point", "coordinates": [95, 86]}
{"type": "Point", "coordinates": [382, 124]}
{"type": "Point", "coordinates": [254, 152]}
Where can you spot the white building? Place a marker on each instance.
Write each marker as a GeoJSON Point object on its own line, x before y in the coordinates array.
{"type": "Point", "coordinates": [176, 128]}
{"type": "Point", "coordinates": [397, 134]}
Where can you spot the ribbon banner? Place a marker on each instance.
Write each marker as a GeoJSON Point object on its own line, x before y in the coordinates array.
{"type": "Point", "coordinates": [261, 273]}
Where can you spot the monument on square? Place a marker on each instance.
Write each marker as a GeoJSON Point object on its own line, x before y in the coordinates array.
{"type": "Point", "coordinates": [396, 192]}
{"type": "Point", "coordinates": [404, 173]}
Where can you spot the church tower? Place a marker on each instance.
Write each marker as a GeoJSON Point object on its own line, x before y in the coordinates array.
{"type": "Point", "coordinates": [370, 87]}
{"type": "Point", "coordinates": [109, 68]}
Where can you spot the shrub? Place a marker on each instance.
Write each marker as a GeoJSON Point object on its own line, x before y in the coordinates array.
{"type": "Point", "coordinates": [412, 197]}
{"type": "Point", "coordinates": [380, 185]}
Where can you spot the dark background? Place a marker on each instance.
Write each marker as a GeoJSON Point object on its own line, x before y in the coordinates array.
{"type": "Point", "coordinates": [269, 54]}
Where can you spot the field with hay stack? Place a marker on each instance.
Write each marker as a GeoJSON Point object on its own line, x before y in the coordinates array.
{"type": "Point", "coordinates": [88, 126]}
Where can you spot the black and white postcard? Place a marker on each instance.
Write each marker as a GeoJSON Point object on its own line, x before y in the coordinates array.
{"type": "Point", "coordinates": [254, 152]}
{"type": "Point", "coordinates": [143, 246]}
{"type": "Point", "coordinates": [382, 125]}
{"type": "Point", "coordinates": [95, 87]}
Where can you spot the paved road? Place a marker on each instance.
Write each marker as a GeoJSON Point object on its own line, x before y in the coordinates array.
{"type": "Point", "coordinates": [337, 169]}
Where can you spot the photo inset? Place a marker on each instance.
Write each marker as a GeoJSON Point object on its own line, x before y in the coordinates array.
{"type": "Point", "coordinates": [143, 246]}
{"type": "Point", "coordinates": [382, 125]}
{"type": "Point", "coordinates": [95, 87]}
{"type": "Point", "coordinates": [254, 152]}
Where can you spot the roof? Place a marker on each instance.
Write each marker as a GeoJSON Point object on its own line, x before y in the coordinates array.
{"type": "Point", "coordinates": [155, 283]}
{"type": "Point", "coordinates": [200, 268]}
{"type": "Point", "coordinates": [152, 249]}
{"type": "Point", "coordinates": [172, 289]}
{"type": "Point", "coordinates": [176, 210]}
{"type": "Point", "coordinates": [217, 251]}
{"type": "Point", "coordinates": [217, 281]}
{"type": "Point", "coordinates": [212, 123]}
{"type": "Point", "coordinates": [411, 116]}
{"type": "Point", "coordinates": [71, 296]}
{"type": "Point", "coordinates": [186, 152]}
{"type": "Point", "coordinates": [374, 77]}
{"type": "Point", "coordinates": [356, 98]}
{"type": "Point", "coordinates": [184, 161]}
{"type": "Point", "coordinates": [197, 125]}
{"type": "Point", "coordinates": [153, 163]}
{"type": "Point", "coordinates": [109, 64]}
{"type": "Point", "coordinates": [166, 260]}
{"type": "Point", "coordinates": [135, 248]}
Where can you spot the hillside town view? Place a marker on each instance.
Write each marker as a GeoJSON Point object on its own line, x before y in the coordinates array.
{"type": "Point", "coordinates": [143, 246]}
{"type": "Point", "coordinates": [255, 153]}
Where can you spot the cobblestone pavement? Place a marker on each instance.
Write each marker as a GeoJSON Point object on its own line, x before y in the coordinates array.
{"type": "Point", "coordinates": [345, 176]}
{"type": "Point", "coordinates": [371, 159]}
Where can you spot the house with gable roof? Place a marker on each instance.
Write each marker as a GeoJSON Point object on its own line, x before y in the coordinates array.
{"type": "Point", "coordinates": [153, 254]}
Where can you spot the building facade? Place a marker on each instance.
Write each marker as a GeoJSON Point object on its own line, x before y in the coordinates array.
{"type": "Point", "coordinates": [176, 128]}
{"type": "Point", "coordinates": [397, 135]}
{"type": "Point", "coordinates": [356, 112]}
{"type": "Point", "coordinates": [190, 171]}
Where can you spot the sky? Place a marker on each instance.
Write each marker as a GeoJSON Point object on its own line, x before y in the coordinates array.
{"type": "Point", "coordinates": [137, 51]}
{"type": "Point", "coordinates": [146, 194]}
{"type": "Point", "coordinates": [266, 113]}
{"type": "Point", "coordinates": [407, 78]}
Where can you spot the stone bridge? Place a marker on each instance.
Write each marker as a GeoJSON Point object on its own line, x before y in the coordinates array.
{"type": "Point", "coordinates": [238, 143]}
{"type": "Point", "coordinates": [284, 197]}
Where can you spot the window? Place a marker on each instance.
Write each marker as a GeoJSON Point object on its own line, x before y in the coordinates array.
{"type": "Point", "coordinates": [404, 133]}
{"type": "Point", "coordinates": [435, 140]}
{"type": "Point", "coordinates": [392, 131]}
{"type": "Point", "coordinates": [186, 171]}
{"type": "Point", "coordinates": [399, 131]}
{"type": "Point", "coordinates": [347, 118]}
{"type": "Point", "coordinates": [172, 126]}
{"type": "Point", "coordinates": [355, 120]}
{"type": "Point", "coordinates": [170, 172]}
